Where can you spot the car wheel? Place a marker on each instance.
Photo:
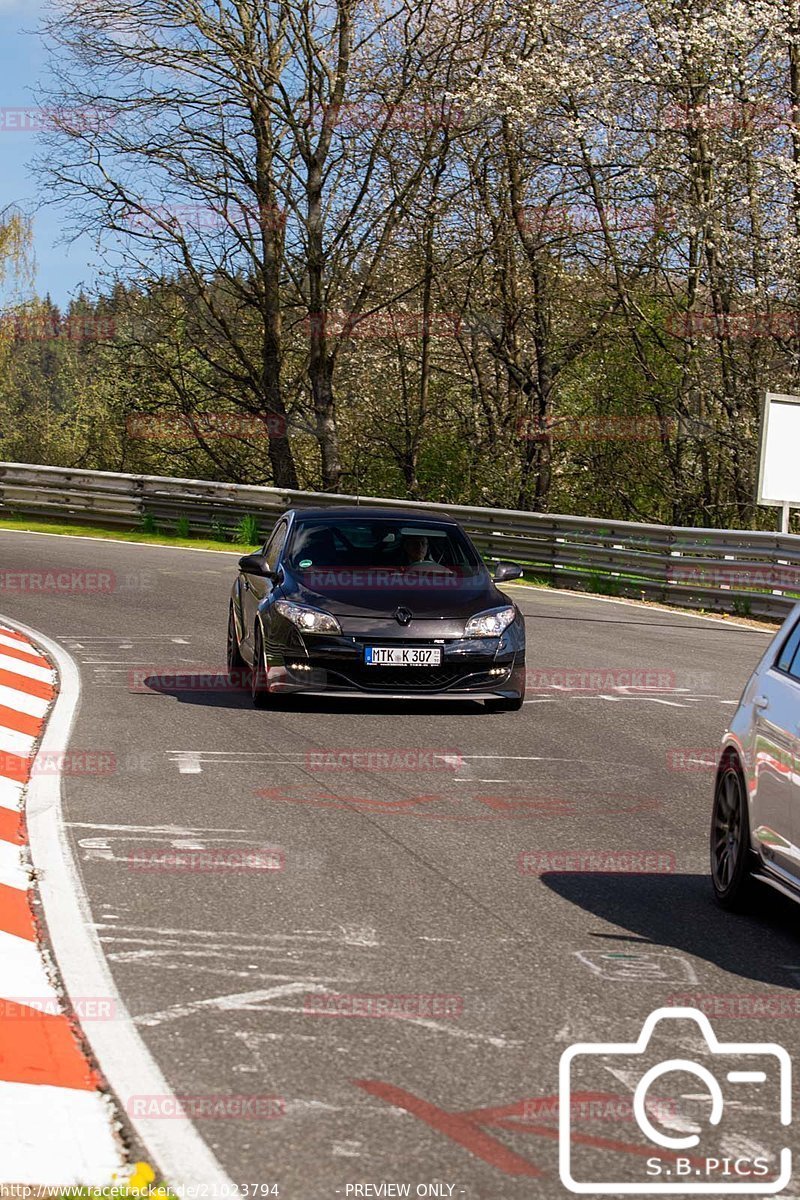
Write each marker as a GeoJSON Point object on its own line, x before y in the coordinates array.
{"type": "Point", "coordinates": [259, 689]}
{"type": "Point", "coordinates": [236, 664]}
{"type": "Point", "coordinates": [501, 704]}
{"type": "Point", "coordinates": [730, 838]}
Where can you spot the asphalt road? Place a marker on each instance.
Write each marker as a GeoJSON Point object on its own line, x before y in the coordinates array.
{"type": "Point", "coordinates": [405, 882]}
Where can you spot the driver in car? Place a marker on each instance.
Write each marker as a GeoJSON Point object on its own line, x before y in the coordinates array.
{"type": "Point", "coordinates": [415, 550]}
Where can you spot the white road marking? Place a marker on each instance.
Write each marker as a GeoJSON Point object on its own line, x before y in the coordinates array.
{"type": "Point", "coordinates": [466, 779]}
{"type": "Point", "coordinates": [176, 830]}
{"type": "Point", "coordinates": [175, 943]}
{"type": "Point", "coordinates": [118, 665]}
{"type": "Point", "coordinates": [189, 764]}
{"type": "Point", "coordinates": [638, 966]}
{"type": "Point", "coordinates": [246, 1001]}
{"type": "Point", "coordinates": [87, 638]}
{"type": "Point", "coordinates": [260, 1002]}
{"type": "Point", "coordinates": [531, 758]}
{"type": "Point", "coordinates": [348, 1149]}
{"type": "Point", "coordinates": [359, 935]}
{"type": "Point", "coordinates": [317, 935]}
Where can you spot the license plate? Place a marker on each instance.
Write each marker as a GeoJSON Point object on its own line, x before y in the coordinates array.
{"type": "Point", "coordinates": [402, 656]}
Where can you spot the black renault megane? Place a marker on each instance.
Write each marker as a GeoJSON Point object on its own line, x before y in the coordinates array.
{"type": "Point", "coordinates": [374, 601]}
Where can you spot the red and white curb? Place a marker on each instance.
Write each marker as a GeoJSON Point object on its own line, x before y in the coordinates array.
{"type": "Point", "coordinates": [57, 1127]}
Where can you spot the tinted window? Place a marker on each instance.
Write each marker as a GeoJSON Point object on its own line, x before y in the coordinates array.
{"type": "Point", "coordinates": [275, 544]}
{"type": "Point", "coordinates": [381, 542]}
{"type": "Point", "coordinates": [789, 657]}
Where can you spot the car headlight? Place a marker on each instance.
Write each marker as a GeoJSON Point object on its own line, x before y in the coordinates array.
{"type": "Point", "coordinates": [308, 620]}
{"type": "Point", "coordinates": [491, 623]}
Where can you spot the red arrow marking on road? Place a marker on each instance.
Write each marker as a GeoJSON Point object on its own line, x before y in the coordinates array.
{"type": "Point", "coordinates": [453, 1125]}
{"type": "Point", "coordinates": [464, 1128]}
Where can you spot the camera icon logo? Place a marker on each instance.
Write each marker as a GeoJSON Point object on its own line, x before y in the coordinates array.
{"type": "Point", "coordinates": [684, 1158]}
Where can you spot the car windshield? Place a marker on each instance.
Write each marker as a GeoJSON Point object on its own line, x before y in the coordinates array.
{"type": "Point", "coordinates": [381, 543]}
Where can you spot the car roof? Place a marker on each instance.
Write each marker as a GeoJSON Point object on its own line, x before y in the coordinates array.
{"type": "Point", "coordinates": [364, 512]}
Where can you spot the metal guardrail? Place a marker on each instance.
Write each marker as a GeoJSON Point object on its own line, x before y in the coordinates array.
{"type": "Point", "coordinates": [735, 571]}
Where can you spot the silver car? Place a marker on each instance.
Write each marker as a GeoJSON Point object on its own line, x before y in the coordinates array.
{"type": "Point", "coordinates": [755, 825]}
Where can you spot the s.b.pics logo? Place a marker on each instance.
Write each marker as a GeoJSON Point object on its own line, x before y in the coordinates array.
{"type": "Point", "coordinates": [711, 1116]}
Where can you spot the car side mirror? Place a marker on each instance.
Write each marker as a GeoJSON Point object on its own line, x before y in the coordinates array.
{"type": "Point", "coordinates": [504, 571]}
{"type": "Point", "coordinates": [256, 564]}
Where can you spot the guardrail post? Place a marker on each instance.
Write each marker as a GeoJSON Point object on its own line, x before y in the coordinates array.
{"type": "Point", "coordinates": [137, 494]}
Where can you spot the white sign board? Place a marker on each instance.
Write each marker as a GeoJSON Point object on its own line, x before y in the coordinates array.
{"type": "Point", "coordinates": [779, 470]}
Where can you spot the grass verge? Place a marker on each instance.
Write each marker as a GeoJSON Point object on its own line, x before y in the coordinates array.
{"type": "Point", "coordinates": [158, 538]}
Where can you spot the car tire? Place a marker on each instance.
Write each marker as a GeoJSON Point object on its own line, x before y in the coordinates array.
{"type": "Point", "coordinates": [259, 688]}
{"type": "Point", "coordinates": [731, 852]}
{"type": "Point", "coordinates": [237, 667]}
{"type": "Point", "coordinates": [504, 704]}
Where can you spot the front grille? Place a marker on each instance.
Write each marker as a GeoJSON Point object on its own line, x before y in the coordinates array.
{"type": "Point", "coordinates": [407, 679]}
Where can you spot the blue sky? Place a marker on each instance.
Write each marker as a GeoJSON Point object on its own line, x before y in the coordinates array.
{"type": "Point", "coordinates": [61, 268]}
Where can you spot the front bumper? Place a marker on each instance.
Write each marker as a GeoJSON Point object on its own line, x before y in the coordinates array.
{"type": "Point", "coordinates": [470, 668]}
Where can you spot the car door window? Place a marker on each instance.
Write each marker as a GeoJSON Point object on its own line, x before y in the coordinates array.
{"type": "Point", "coordinates": [274, 546]}
{"type": "Point", "coordinates": [794, 665]}
{"type": "Point", "coordinates": [789, 657]}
